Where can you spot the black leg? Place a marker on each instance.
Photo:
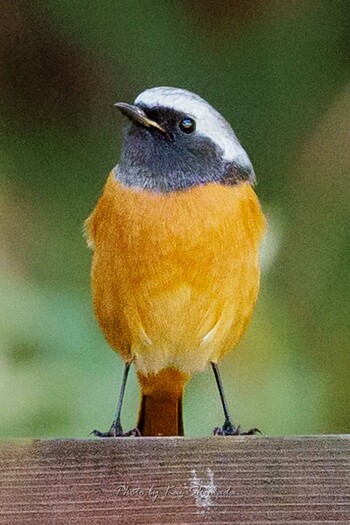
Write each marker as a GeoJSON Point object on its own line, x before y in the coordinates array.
{"type": "Point", "coordinates": [228, 428]}
{"type": "Point", "coordinates": [116, 429]}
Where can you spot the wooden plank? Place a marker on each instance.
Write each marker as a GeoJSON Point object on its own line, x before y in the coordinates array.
{"type": "Point", "coordinates": [162, 481]}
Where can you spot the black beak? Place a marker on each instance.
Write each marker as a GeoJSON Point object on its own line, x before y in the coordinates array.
{"type": "Point", "coordinates": [137, 115]}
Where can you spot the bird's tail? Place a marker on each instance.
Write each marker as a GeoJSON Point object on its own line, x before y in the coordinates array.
{"type": "Point", "coordinates": [161, 403]}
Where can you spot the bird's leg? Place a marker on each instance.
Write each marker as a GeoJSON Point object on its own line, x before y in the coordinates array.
{"type": "Point", "coordinates": [116, 429]}
{"type": "Point", "coordinates": [228, 428]}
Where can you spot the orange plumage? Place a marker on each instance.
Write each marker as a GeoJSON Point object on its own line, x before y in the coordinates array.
{"type": "Point", "coordinates": [175, 277]}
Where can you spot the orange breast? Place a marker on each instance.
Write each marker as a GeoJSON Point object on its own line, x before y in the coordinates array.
{"type": "Point", "coordinates": [175, 276]}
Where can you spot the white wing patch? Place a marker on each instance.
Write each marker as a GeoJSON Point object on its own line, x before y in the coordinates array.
{"type": "Point", "coordinates": [210, 335]}
{"type": "Point", "coordinates": [145, 338]}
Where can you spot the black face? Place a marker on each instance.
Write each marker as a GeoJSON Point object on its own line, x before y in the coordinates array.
{"type": "Point", "coordinates": [175, 159]}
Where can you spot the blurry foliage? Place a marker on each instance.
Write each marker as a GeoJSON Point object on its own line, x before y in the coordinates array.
{"type": "Point", "coordinates": [279, 72]}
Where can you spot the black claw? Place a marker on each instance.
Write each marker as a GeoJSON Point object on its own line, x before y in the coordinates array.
{"type": "Point", "coordinates": [116, 430]}
{"type": "Point", "coordinates": [228, 429]}
{"type": "Point", "coordinates": [251, 432]}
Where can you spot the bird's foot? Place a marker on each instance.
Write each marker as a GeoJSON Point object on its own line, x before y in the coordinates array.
{"type": "Point", "coordinates": [228, 429]}
{"type": "Point", "coordinates": [116, 430]}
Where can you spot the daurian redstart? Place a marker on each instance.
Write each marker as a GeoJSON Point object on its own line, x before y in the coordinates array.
{"type": "Point", "coordinates": [175, 235]}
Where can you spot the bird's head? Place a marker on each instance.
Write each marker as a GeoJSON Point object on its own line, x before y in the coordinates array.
{"type": "Point", "coordinates": [174, 140]}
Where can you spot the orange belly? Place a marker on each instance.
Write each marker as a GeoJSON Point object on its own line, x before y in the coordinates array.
{"type": "Point", "coordinates": [175, 276]}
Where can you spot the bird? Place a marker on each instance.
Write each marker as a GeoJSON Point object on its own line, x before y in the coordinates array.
{"type": "Point", "coordinates": [175, 267]}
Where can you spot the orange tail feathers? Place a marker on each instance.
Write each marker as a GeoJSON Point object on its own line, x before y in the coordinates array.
{"type": "Point", "coordinates": [161, 403]}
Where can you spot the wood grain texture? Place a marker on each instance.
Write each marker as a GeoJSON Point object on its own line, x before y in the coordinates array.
{"type": "Point", "coordinates": [162, 481]}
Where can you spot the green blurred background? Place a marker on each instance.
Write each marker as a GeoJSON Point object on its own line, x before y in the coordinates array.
{"type": "Point", "coordinates": [279, 72]}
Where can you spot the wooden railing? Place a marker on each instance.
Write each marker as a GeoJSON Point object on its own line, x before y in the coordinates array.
{"type": "Point", "coordinates": [160, 481]}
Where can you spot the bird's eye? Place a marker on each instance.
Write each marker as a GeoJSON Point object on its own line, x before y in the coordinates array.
{"type": "Point", "coordinates": [187, 125]}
